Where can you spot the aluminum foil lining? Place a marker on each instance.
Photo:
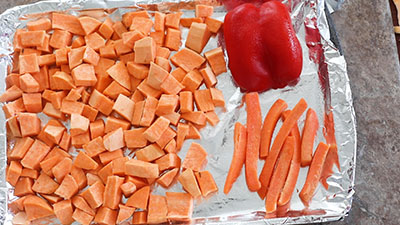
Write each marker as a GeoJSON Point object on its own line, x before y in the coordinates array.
{"type": "Point", "coordinates": [324, 84]}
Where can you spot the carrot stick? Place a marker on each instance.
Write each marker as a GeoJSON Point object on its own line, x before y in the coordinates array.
{"type": "Point", "coordinates": [294, 169]}
{"type": "Point", "coordinates": [254, 121]}
{"type": "Point", "coordinates": [238, 158]}
{"type": "Point", "coordinates": [314, 173]}
{"type": "Point", "coordinates": [269, 126]}
{"type": "Point", "coordinates": [279, 177]}
{"type": "Point", "coordinates": [307, 142]}
{"type": "Point", "coordinates": [287, 126]}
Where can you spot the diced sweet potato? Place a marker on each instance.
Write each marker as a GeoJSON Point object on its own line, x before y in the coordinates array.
{"type": "Point", "coordinates": [84, 75]}
{"type": "Point", "coordinates": [14, 171]}
{"type": "Point", "coordinates": [94, 147]}
{"type": "Point", "coordinates": [186, 101]}
{"type": "Point", "coordinates": [149, 111]}
{"type": "Point", "coordinates": [13, 126]}
{"type": "Point", "coordinates": [118, 166]}
{"type": "Point", "coordinates": [128, 188]}
{"type": "Point", "coordinates": [166, 137]}
{"type": "Point", "coordinates": [141, 24]}
{"type": "Point", "coordinates": [145, 50]}
{"type": "Point", "coordinates": [212, 118]}
{"type": "Point", "coordinates": [138, 71]}
{"type": "Point", "coordinates": [79, 41]}
{"type": "Point", "coordinates": [217, 97]}
{"type": "Point", "coordinates": [171, 86]}
{"type": "Point", "coordinates": [208, 76]}
{"type": "Point", "coordinates": [89, 24]}
{"type": "Point", "coordinates": [112, 192]}
{"type": "Point", "coordinates": [121, 48]}
{"type": "Point", "coordinates": [192, 80]}
{"type": "Point", "coordinates": [40, 24]}
{"type": "Point", "coordinates": [75, 57]}
{"type": "Point", "coordinates": [79, 124]}
{"type": "Point", "coordinates": [141, 169]}
{"type": "Point", "coordinates": [128, 17]}
{"type": "Point", "coordinates": [28, 83]}
{"type": "Point", "coordinates": [186, 22]}
{"type": "Point", "coordinates": [139, 198]}
{"type": "Point", "coordinates": [108, 51]}
{"type": "Point", "coordinates": [83, 161]}
{"type": "Point", "coordinates": [47, 60]}
{"type": "Point", "coordinates": [180, 206]}
{"type": "Point", "coordinates": [182, 132]}
{"type": "Point", "coordinates": [35, 154]}
{"type": "Point", "coordinates": [204, 11]}
{"type": "Point", "coordinates": [147, 91]}
{"type": "Point", "coordinates": [187, 59]}
{"type": "Point", "coordinates": [106, 28]}
{"type": "Point", "coordinates": [101, 102]}
{"type": "Point", "coordinates": [213, 24]}
{"type": "Point", "coordinates": [159, 21]}
{"type": "Point", "coordinates": [80, 203]}
{"type": "Point", "coordinates": [23, 187]}
{"type": "Point", "coordinates": [134, 138]}
{"type": "Point", "coordinates": [106, 216]}
{"type": "Point", "coordinates": [119, 29]}
{"type": "Point", "coordinates": [67, 22]}
{"type": "Point", "coordinates": [157, 211]}
{"type": "Point", "coordinates": [172, 20]}
{"type": "Point", "coordinates": [168, 161]}
{"type": "Point", "coordinates": [67, 188]}
{"type": "Point", "coordinates": [79, 176]}
{"type": "Point", "coordinates": [163, 52]}
{"type": "Point", "coordinates": [196, 117]}
{"type": "Point", "coordinates": [34, 174]}
{"type": "Point", "coordinates": [96, 129]}
{"type": "Point", "coordinates": [82, 217]}
{"type": "Point", "coordinates": [163, 63]}
{"type": "Point", "coordinates": [105, 172]}
{"type": "Point", "coordinates": [173, 118]}
{"type": "Point", "coordinates": [139, 217]}
{"type": "Point", "coordinates": [194, 131]}
{"type": "Point", "coordinates": [90, 112]}
{"type": "Point", "coordinates": [198, 37]}
{"type": "Point", "coordinates": [95, 41]}
{"type": "Point", "coordinates": [32, 38]}
{"type": "Point", "coordinates": [91, 56]}
{"type": "Point", "coordinates": [149, 153]}
{"type": "Point", "coordinates": [124, 213]}
{"type": "Point", "coordinates": [154, 132]}
{"type": "Point", "coordinates": [203, 100]}
{"type": "Point", "coordinates": [129, 38]}
{"type": "Point", "coordinates": [137, 113]}
{"type": "Point", "coordinates": [195, 158]}
{"type": "Point", "coordinates": [206, 183]}
{"type": "Point", "coordinates": [167, 178]}
{"type": "Point", "coordinates": [189, 183]}
{"type": "Point", "coordinates": [94, 195]}
{"type": "Point", "coordinates": [114, 89]}
{"type": "Point", "coordinates": [60, 39]}
{"type": "Point", "coordinates": [63, 210]}
{"type": "Point", "coordinates": [156, 76]}
{"type": "Point", "coordinates": [114, 140]}
{"type": "Point", "coordinates": [216, 60]}
{"type": "Point", "coordinates": [36, 208]}
{"type": "Point", "coordinates": [32, 102]}
{"type": "Point", "coordinates": [11, 94]}
{"type": "Point", "coordinates": [120, 74]}
{"type": "Point", "coordinates": [173, 39]}
{"type": "Point", "coordinates": [61, 169]}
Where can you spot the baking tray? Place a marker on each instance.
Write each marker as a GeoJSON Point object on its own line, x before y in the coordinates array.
{"type": "Point", "coordinates": [323, 83]}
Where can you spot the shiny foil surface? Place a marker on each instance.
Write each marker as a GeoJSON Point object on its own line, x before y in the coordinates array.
{"type": "Point", "coordinates": [324, 84]}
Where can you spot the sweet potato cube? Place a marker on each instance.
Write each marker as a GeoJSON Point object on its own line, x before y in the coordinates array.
{"type": "Point", "coordinates": [120, 74]}
{"type": "Point", "coordinates": [154, 132]}
{"type": "Point", "coordinates": [101, 102]}
{"type": "Point", "coordinates": [118, 166]}
{"type": "Point", "coordinates": [94, 195]}
{"type": "Point", "coordinates": [178, 74]}
{"type": "Point", "coordinates": [204, 11]}
{"type": "Point", "coordinates": [147, 91]}
{"type": "Point", "coordinates": [108, 51]}
{"type": "Point", "coordinates": [141, 24]}
{"type": "Point", "coordinates": [186, 22]}
{"type": "Point", "coordinates": [206, 183]}
{"type": "Point", "coordinates": [119, 29]}
{"type": "Point", "coordinates": [63, 210]}
{"type": "Point", "coordinates": [90, 112]}
{"type": "Point", "coordinates": [128, 17]}
{"type": "Point", "coordinates": [128, 189]}
{"type": "Point", "coordinates": [197, 117]}
{"type": "Point", "coordinates": [156, 76]}
{"type": "Point", "coordinates": [28, 83]}
{"type": "Point", "coordinates": [67, 22]}
{"type": "Point", "coordinates": [167, 178]}
{"type": "Point", "coordinates": [96, 129]}
{"type": "Point", "coordinates": [129, 38]}
{"type": "Point", "coordinates": [167, 104]}
{"type": "Point", "coordinates": [139, 198]}
{"type": "Point", "coordinates": [78, 42]}
{"type": "Point", "coordinates": [62, 169]}
{"type": "Point", "coordinates": [80, 203]}
{"type": "Point", "coordinates": [79, 124]}
{"type": "Point", "coordinates": [67, 188]}
{"type": "Point", "coordinates": [83, 161]}
{"type": "Point", "coordinates": [124, 213]}
{"type": "Point", "coordinates": [94, 147]}
{"type": "Point", "coordinates": [149, 153]}
{"type": "Point", "coordinates": [80, 177]}
{"type": "Point", "coordinates": [13, 125]}
{"type": "Point", "coordinates": [189, 183]}
{"type": "Point", "coordinates": [11, 94]}
{"type": "Point", "coordinates": [23, 187]}
{"type": "Point", "coordinates": [95, 41]}
{"type": "Point", "coordinates": [89, 24]}
{"type": "Point", "coordinates": [149, 111]}
{"type": "Point", "coordinates": [106, 29]}
{"type": "Point", "coordinates": [75, 57]}
{"type": "Point", "coordinates": [124, 107]}
{"type": "Point", "coordinates": [106, 216]}
{"type": "Point", "coordinates": [13, 172]}
{"type": "Point", "coordinates": [60, 39]}
{"type": "Point", "coordinates": [158, 210]}
{"type": "Point", "coordinates": [186, 101]}
{"type": "Point", "coordinates": [195, 158]}
{"type": "Point", "coordinates": [113, 123]}
{"type": "Point", "coordinates": [45, 184]}
{"type": "Point", "coordinates": [180, 206]}
{"type": "Point", "coordinates": [29, 124]}
{"type": "Point", "coordinates": [168, 161]}
{"type": "Point", "coordinates": [32, 102]}
{"type": "Point", "coordinates": [198, 37]}
{"type": "Point", "coordinates": [65, 141]}
{"type": "Point", "coordinates": [105, 172]}
{"type": "Point", "coordinates": [194, 131]}
{"type": "Point", "coordinates": [12, 108]}
{"type": "Point", "coordinates": [54, 133]}
{"type": "Point", "coordinates": [32, 38]}
{"type": "Point", "coordinates": [139, 182]}
{"type": "Point", "coordinates": [159, 21]}
{"type": "Point", "coordinates": [141, 169]}
{"type": "Point", "coordinates": [134, 138]}
{"type": "Point", "coordinates": [112, 192]}
{"type": "Point", "coordinates": [217, 97]}
{"type": "Point", "coordinates": [171, 86]}
{"type": "Point", "coordinates": [138, 71]}
{"type": "Point", "coordinates": [36, 208]}
{"type": "Point", "coordinates": [63, 80]}
{"type": "Point", "coordinates": [40, 24]}
{"type": "Point", "coordinates": [203, 100]}
{"type": "Point", "coordinates": [192, 80]}
{"type": "Point", "coordinates": [91, 56]}
{"type": "Point", "coordinates": [82, 217]}
{"type": "Point", "coordinates": [80, 139]}
{"type": "Point", "coordinates": [163, 63]}
{"type": "Point", "coordinates": [34, 174]}
{"type": "Point", "coordinates": [139, 217]}
{"type": "Point", "coordinates": [182, 132]}
{"type": "Point", "coordinates": [187, 59]}
{"type": "Point", "coordinates": [84, 75]}
{"type": "Point", "coordinates": [212, 118]}
{"type": "Point", "coordinates": [172, 20]}
{"type": "Point", "coordinates": [121, 48]}
{"type": "Point", "coordinates": [213, 24]}
{"type": "Point", "coordinates": [115, 89]}
{"type": "Point", "coordinates": [72, 107]}
{"type": "Point", "coordinates": [163, 52]}
{"type": "Point", "coordinates": [216, 60]}
{"type": "Point", "coordinates": [145, 50]}
{"type": "Point", "coordinates": [208, 76]}
{"type": "Point", "coordinates": [173, 39]}
{"type": "Point", "coordinates": [114, 140]}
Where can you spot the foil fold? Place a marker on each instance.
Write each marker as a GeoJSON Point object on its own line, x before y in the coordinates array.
{"type": "Point", "coordinates": [324, 84]}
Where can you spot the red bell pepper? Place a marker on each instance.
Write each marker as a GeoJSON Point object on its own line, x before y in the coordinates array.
{"type": "Point", "coordinates": [264, 52]}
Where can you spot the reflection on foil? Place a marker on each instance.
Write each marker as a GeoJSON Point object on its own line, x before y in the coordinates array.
{"type": "Point", "coordinates": [324, 84]}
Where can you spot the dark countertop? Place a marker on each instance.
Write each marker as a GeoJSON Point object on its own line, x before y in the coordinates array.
{"type": "Point", "coordinates": [366, 36]}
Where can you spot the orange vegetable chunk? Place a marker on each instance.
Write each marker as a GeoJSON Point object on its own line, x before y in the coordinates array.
{"type": "Point", "coordinates": [180, 206]}
{"type": "Point", "coordinates": [84, 75]}
{"type": "Point", "coordinates": [196, 117]}
{"type": "Point", "coordinates": [40, 24]}
{"type": "Point", "coordinates": [209, 77]}
{"type": "Point", "coordinates": [206, 183]}
{"type": "Point", "coordinates": [28, 83]}
{"type": "Point", "coordinates": [198, 37]}
{"type": "Point", "coordinates": [134, 138]}
{"type": "Point", "coordinates": [124, 213]}
{"type": "Point", "coordinates": [89, 24]}
{"type": "Point", "coordinates": [149, 111]}
{"type": "Point", "coordinates": [192, 80]}
{"type": "Point", "coordinates": [11, 94]}
{"type": "Point", "coordinates": [154, 132]}
{"type": "Point", "coordinates": [189, 183]}
{"type": "Point", "coordinates": [63, 210]}
{"type": "Point", "coordinates": [36, 208]}
{"type": "Point", "coordinates": [145, 50]}
{"type": "Point", "coordinates": [95, 41]}
{"type": "Point", "coordinates": [213, 24]}
{"type": "Point", "coordinates": [61, 169]}
{"type": "Point", "coordinates": [35, 155]}
{"type": "Point", "coordinates": [204, 10]}
{"type": "Point", "coordinates": [171, 86]}
{"type": "Point", "coordinates": [157, 211]}
{"type": "Point", "coordinates": [106, 216]}
{"type": "Point", "coordinates": [120, 74]}
{"type": "Point", "coordinates": [156, 76]}
{"type": "Point", "coordinates": [60, 39]}
{"type": "Point", "coordinates": [67, 188]}
{"type": "Point", "coordinates": [149, 153]}
{"type": "Point", "coordinates": [96, 129]}
{"type": "Point", "coordinates": [139, 199]}
{"type": "Point", "coordinates": [112, 192]}
{"type": "Point", "coordinates": [83, 161]}
{"type": "Point", "coordinates": [173, 19]}
{"type": "Point", "coordinates": [91, 56]}
{"type": "Point", "coordinates": [203, 100]}
{"type": "Point", "coordinates": [187, 59]}
{"type": "Point", "coordinates": [138, 71]}
{"type": "Point", "coordinates": [32, 38]}
{"type": "Point", "coordinates": [67, 22]}
{"type": "Point", "coordinates": [141, 169]}
{"type": "Point", "coordinates": [216, 60]}
{"type": "Point", "coordinates": [173, 39]}
{"type": "Point", "coordinates": [167, 178]}
{"type": "Point", "coordinates": [94, 194]}
{"type": "Point", "coordinates": [82, 217]}
{"type": "Point", "coordinates": [23, 187]}
{"type": "Point", "coordinates": [128, 189]}
{"type": "Point", "coordinates": [141, 24]}
{"type": "Point", "coordinates": [114, 140]}
{"type": "Point", "coordinates": [106, 28]}
{"type": "Point", "coordinates": [217, 97]}
{"type": "Point", "coordinates": [79, 124]}
{"type": "Point", "coordinates": [186, 22]}
{"type": "Point", "coordinates": [182, 132]}
{"type": "Point", "coordinates": [101, 102]}
{"type": "Point", "coordinates": [13, 172]}
{"type": "Point", "coordinates": [139, 217]}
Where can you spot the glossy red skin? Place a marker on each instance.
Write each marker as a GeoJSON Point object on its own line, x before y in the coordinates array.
{"type": "Point", "coordinates": [264, 52]}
